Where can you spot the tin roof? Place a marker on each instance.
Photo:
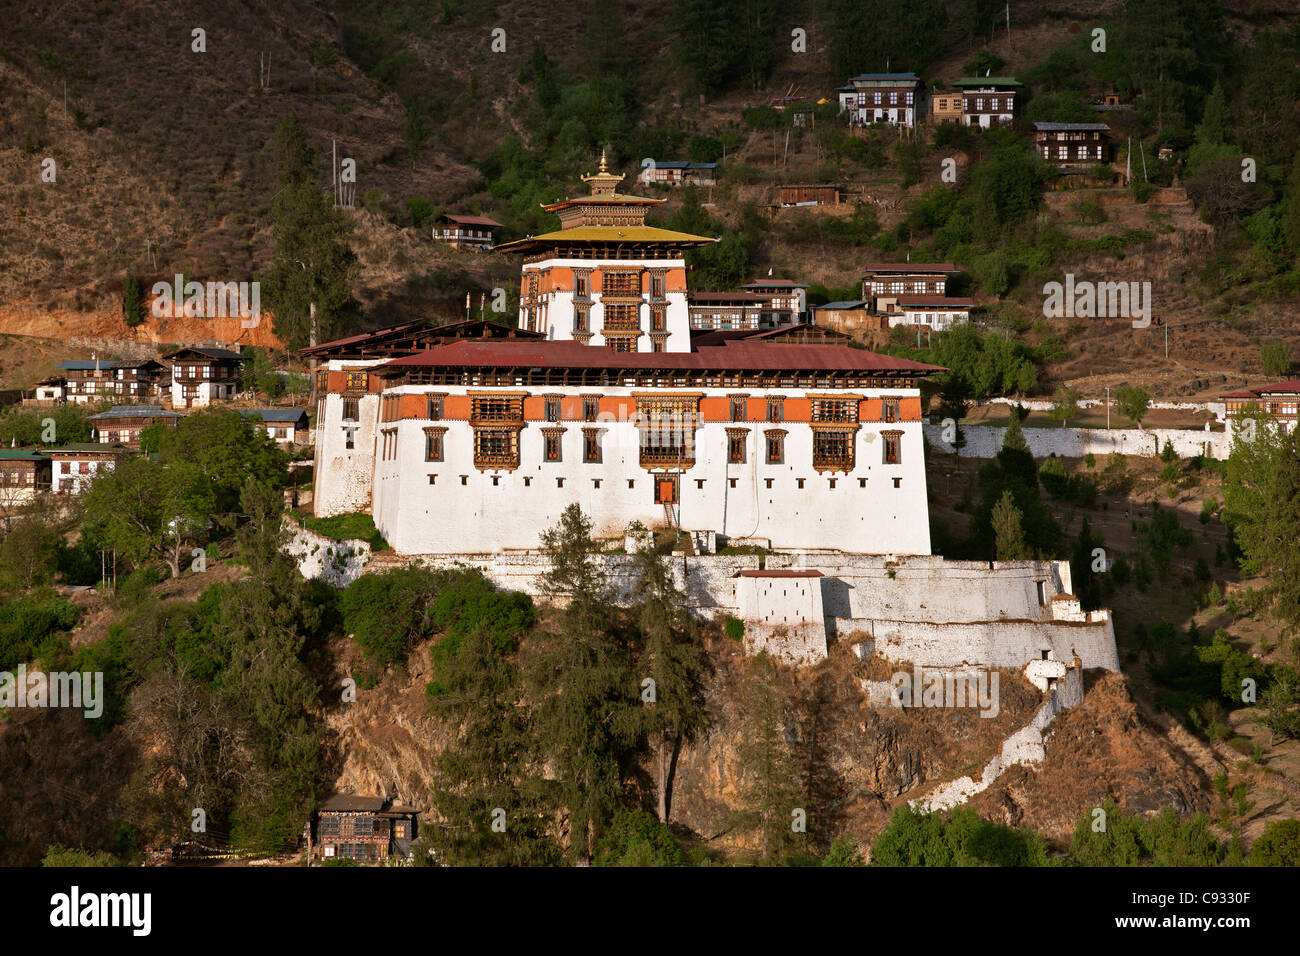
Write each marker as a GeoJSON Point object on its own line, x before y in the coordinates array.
{"type": "Point", "coordinates": [73, 449]}
{"type": "Point", "coordinates": [135, 411]}
{"type": "Point", "coordinates": [211, 353]}
{"type": "Point", "coordinates": [1065, 127]}
{"type": "Point", "coordinates": [22, 454]}
{"type": "Point", "coordinates": [855, 304]}
{"type": "Point", "coordinates": [770, 283]}
{"type": "Point", "coordinates": [275, 414]}
{"type": "Point", "coordinates": [472, 220]}
{"type": "Point", "coordinates": [908, 267]}
{"type": "Point", "coordinates": [347, 802]}
{"type": "Point", "coordinates": [1290, 387]}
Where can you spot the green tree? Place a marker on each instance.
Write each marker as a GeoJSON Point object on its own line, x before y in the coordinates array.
{"type": "Point", "coordinates": [306, 286]}
{"type": "Point", "coordinates": [1009, 536]}
{"type": "Point", "coordinates": [1065, 404]}
{"type": "Point", "coordinates": [133, 310]}
{"type": "Point", "coordinates": [226, 451]}
{"type": "Point", "coordinates": [29, 554]}
{"type": "Point", "coordinates": [487, 761]}
{"type": "Point", "coordinates": [1278, 845]}
{"type": "Point", "coordinates": [1276, 358]}
{"type": "Point", "coordinates": [151, 511]}
{"type": "Point", "coordinates": [583, 683]}
{"type": "Point", "coordinates": [1133, 402]}
{"type": "Point", "coordinates": [844, 852]}
{"type": "Point", "coordinates": [669, 654]}
{"type": "Point", "coordinates": [636, 838]}
{"type": "Point", "coordinates": [1261, 495]}
{"type": "Point", "coordinates": [415, 132]}
{"type": "Point", "coordinates": [769, 789]}
{"type": "Point", "coordinates": [1014, 436]}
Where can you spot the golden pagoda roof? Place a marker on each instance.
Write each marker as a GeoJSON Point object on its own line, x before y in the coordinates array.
{"type": "Point", "coordinates": [607, 234]}
{"type": "Point", "coordinates": [604, 189]}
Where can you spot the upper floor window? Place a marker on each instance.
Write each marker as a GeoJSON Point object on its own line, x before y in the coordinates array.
{"type": "Point", "coordinates": [350, 410]}
{"type": "Point", "coordinates": [775, 446]}
{"type": "Point", "coordinates": [737, 409]}
{"type": "Point", "coordinates": [591, 445]}
{"type": "Point", "coordinates": [551, 444]}
{"type": "Point", "coordinates": [435, 408]}
{"type": "Point", "coordinates": [552, 409]}
{"type": "Point", "coordinates": [892, 448]}
{"type": "Point", "coordinates": [776, 410]}
{"type": "Point", "coordinates": [433, 443]}
{"type": "Point", "coordinates": [590, 407]}
{"type": "Point", "coordinates": [891, 409]}
{"type": "Point", "coordinates": [736, 446]}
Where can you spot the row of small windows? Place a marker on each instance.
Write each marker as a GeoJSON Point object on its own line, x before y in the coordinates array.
{"type": "Point", "coordinates": [699, 482]}
{"type": "Point", "coordinates": [831, 447]}
{"type": "Point", "coordinates": [823, 410]}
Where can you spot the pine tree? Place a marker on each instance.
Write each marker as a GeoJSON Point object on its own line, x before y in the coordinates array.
{"type": "Point", "coordinates": [583, 684]}
{"type": "Point", "coordinates": [670, 655]}
{"type": "Point", "coordinates": [306, 287]}
{"type": "Point", "coordinates": [1008, 535]}
{"type": "Point", "coordinates": [1013, 437]}
{"type": "Point", "coordinates": [769, 792]}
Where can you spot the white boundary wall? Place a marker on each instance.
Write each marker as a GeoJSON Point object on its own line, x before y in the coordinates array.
{"type": "Point", "coordinates": [985, 441]}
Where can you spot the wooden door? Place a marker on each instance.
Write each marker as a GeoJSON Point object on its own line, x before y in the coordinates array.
{"type": "Point", "coordinates": [666, 490]}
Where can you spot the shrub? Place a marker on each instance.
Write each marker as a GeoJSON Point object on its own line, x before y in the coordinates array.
{"type": "Point", "coordinates": [734, 628]}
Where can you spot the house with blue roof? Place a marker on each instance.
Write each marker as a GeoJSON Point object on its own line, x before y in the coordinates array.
{"type": "Point", "coordinates": [285, 426]}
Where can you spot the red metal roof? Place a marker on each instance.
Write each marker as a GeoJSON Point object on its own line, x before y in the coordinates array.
{"type": "Point", "coordinates": [781, 573]}
{"type": "Point", "coordinates": [906, 267]}
{"type": "Point", "coordinates": [1289, 387]}
{"type": "Point", "coordinates": [726, 297]}
{"type": "Point", "coordinates": [473, 220]}
{"type": "Point", "coordinates": [729, 355]}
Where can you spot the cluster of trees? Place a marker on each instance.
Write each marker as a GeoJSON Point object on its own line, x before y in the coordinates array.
{"type": "Point", "coordinates": [161, 506]}
{"type": "Point", "coordinates": [587, 698]}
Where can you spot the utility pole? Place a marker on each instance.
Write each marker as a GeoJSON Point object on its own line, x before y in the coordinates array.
{"type": "Point", "coordinates": [1107, 408]}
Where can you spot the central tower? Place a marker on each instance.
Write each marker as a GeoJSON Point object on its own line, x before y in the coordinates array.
{"type": "Point", "coordinates": [606, 278]}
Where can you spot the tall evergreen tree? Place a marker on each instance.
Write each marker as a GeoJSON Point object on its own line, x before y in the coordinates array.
{"type": "Point", "coordinates": [306, 286]}
{"type": "Point", "coordinates": [769, 790]}
{"type": "Point", "coordinates": [669, 654]}
{"type": "Point", "coordinates": [583, 684]}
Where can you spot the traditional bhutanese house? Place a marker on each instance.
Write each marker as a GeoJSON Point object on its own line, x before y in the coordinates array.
{"type": "Point", "coordinates": [466, 232]}
{"type": "Point", "coordinates": [408, 337]}
{"type": "Point", "coordinates": [138, 380]}
{"type": "Point", "coordinates": [75, 465]}
{"type": "Point", "coordinates": [884, 282]}
{"type": "Point", "coordinates": [786, 300]}
{"type": "Point", "coordinates": [881, 98]}
{"type": "Point", "coordinates": [726, 310]}
{"type": "Point", "coordinates": [285, 426]}
{"type": "Point", "coordinates": [1280, 400]}
{"type": "Point", "coordinates": [52, 389]}
{"type": "Point", "coordinates": [1073, 144]}
{"type": "Point", "coordinates": [87, 381]}
{"type": "Point", "coordinates": [366, 829]}
{"type": "Point", "coordinates": [813, 195]}
{"type": "Point", "coordinates": [945, 106]}
{"type": "Point", "coordinates": [122, 424]}
{"type": "Point", "coordinates": [936, 312]}
{"type": "Point", "coordinates": [988, 100]}
{"type": "Point", "coordinates": [605, 278]}
{"type": "Point", "coordinates": [23, 474]}
{"type": "Point", "coordinates": [201, 376]}
{"type": "Point", "coordinates": [678, 172]}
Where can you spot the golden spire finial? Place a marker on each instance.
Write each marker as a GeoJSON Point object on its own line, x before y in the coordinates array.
{"type": "Point", "coordinates": [604, 167]}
